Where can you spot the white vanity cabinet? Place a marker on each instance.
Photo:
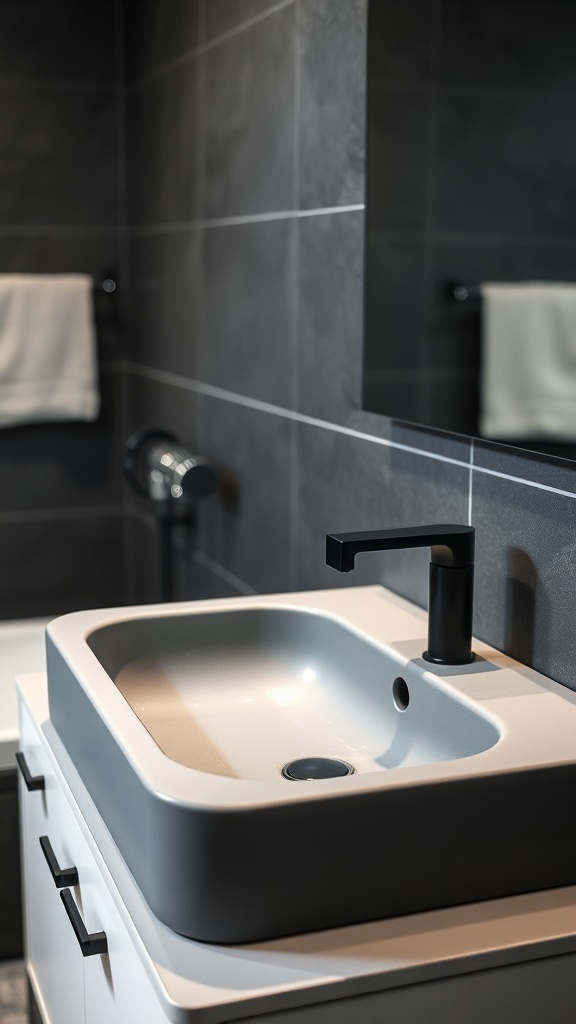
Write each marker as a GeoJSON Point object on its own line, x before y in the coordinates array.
{"type": "Point", "coordinates": [71, 987]}
{"type": "Point", "coordinates": [502, 960]}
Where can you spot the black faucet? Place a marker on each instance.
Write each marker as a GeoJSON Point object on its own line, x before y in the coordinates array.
{"type": "Point", "coordinates": [451, 580]}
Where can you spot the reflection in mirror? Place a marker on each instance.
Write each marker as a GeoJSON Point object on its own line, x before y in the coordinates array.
{"type": "Point", "coordinates": [471, 179]}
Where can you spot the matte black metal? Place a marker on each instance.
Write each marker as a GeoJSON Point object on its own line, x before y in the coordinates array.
{"type": "Point", "coordinates": [32, 781]}
{"type": "Point", "coordinates": [451, 579]}
{"type": "Point", "coordinates": [450, 615]}
{"type": "Point", "coordinates": [90, 944]}
{"type": "Point", "coordinates": [306, 769]}
{"type": "Point", "coordinates": [62, 876]}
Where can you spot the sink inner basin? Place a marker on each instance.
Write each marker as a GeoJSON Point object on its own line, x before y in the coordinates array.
{"type": "Point", "coordinates": [241, 693]}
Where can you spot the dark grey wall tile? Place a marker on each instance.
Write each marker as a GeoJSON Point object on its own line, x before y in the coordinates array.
{"type": "Point", "coordinates": [61, 465]}
{"type": "Point", "coordinates": [435, 442]}
{"type": "Point", "coordinates": [165, 277]}
{"type": "Point", "coordinates": [516, 44]}
{"type": "Point", "coordinates": [224, 15]}
{"type": "Point", "coordinates": [248, 119]}
{"type": "Point", "coordinates": [195, 581]}
{"type": "Point", "coordinates": [246, 529]}
{"type": "Point", "coordinates": [526, 574]}
{"type": "Point", "coordinates": [397, 145]}
{"type": "Point", "coordinates": [62, 39]}
{"type": "Point", "coordinates": [60, 565]}
{"type": "Point", "coordinates": [175, 409]}
{"type": "Point", "coordinates": [248, 329]}
{"type": "Point", "coordinates": [58, 162]}
{"type": "Point", "coordinates": [525, 465]}
{"type": "Point", "coordinates": [157, 31]}
{"type": "Point", "coordinates": [330, 269]}
{"type": "Point", "coordinates": [399, 40]}
{"type": "Point", "coordinates": [530, 189]}
{"type": "Point", "coordinates": [332, 99]}
{"type": "Point", "coordinates": [162, 134]}
{"type": "Point", "coordinates": [348, 484]}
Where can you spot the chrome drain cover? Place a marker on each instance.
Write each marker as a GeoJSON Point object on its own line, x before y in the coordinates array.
{"type": "Point", "coordinates": [305, 769]}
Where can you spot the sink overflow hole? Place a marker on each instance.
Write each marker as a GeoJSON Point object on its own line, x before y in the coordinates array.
{"type": "Point", "coordinates": [400, 693]}
{"type": "Point", "coordinates": [305, 769]}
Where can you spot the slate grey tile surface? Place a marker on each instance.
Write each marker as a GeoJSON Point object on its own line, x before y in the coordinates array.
{"type": "Point", "coordinates": [248, 324]}
{"type": "Point", "coordinates": [55, 566]}
{"type": "Point", "coordinates": [330, 268]}
{"type": "Point", "coordinates": [165, 276]}
{"type": "Point", "coordinates": [58, 157]}
{"type": "Point", "coordinates": [173, 409]}
{"type": "Point", "coordinates": [332, 99]}
{"type": "Point", "coordinates": [248, 128]}
{"type": "Point", "coordinates": [526, 465]}
{"type": "Point", "coordinates": [246, 529]}
{"type": "Point", "coordinates": [525, 573]}
{"type": "Point", "coordinates": [509, 45]}
{"type": "Point", "coordinates": [225, 15]}
{"type": "Point", "coordinates": [530, 189]}
{"type": "Point", "coordinates": [157, 33]}
{"type": "Point", "coordinates": [395, 296]}
{"type": "Point", "coordinates": [61, 40]}
{"type": "Point", "coordinates": [162, 134]}
{"type": "Point", "coordinates": [347, 484]}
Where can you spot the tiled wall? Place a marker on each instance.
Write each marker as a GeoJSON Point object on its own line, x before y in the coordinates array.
{"type": "Point", "coordinates": [246, 160]}
{"type": "Point", "coordinates": [471, 177]}
{"type": "Point", "coordinates": [60, 500]}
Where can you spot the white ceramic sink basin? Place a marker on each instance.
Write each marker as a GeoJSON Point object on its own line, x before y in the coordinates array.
{"type": "Point", "coordinates": [243, 692]}
{"type": "Point", "coordinates": [181, 718]}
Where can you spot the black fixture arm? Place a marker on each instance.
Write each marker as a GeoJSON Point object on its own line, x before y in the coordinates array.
{"type": "Point", "coordinates": [450, 545]}
{"type": "Point", "coordinates": [451, 580]}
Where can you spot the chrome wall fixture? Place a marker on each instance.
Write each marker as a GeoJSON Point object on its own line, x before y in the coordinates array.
{"type": "Point", "coordinates": [159, 467]}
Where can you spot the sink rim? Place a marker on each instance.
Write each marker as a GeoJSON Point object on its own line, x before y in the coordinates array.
{"type": "Point", "coordinates": [360, 611]}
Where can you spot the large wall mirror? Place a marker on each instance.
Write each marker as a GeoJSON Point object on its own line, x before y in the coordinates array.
{"type": "Point", "coordinates": [471, 178]}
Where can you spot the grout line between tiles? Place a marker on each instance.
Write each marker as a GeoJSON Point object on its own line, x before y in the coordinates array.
{"type": "Point", "coordinates": [212, 391]}
{"type": "Point", "coordinates": [240, 219]}
{"type": "Point", "coordinates": [203, 47]}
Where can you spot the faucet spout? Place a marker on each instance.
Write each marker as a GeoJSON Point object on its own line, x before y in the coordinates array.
{"type": "Point", "coordinates": [451, 580]}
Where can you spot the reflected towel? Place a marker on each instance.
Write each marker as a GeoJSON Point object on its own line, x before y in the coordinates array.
{"type": "Point", "coordinates": [48, 367]}
{"type": "Point", "coordinates": [528, 373]}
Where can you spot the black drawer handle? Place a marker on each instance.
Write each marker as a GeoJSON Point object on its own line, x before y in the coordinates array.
{"type": "Point", "coordinates": [89, 944]}
{"type": "Point", "coordinates": [32, 781]}
{"type": "Point", "coordinates": [61, 876]}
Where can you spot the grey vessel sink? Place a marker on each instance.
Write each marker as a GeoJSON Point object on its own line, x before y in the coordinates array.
{"type": "Point", "coordinates": [181, 720]}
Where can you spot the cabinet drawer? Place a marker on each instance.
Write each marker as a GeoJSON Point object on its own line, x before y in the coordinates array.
{"type": "Point", "coordinates": [113, 986]}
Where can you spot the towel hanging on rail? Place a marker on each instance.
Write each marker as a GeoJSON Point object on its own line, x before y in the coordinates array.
{"type": "Point", "coordinates": [48, 365]}
{"type": "Point", "coordinates": [528, 374]}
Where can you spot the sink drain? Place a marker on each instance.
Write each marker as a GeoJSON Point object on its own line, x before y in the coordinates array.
{"type": "Point", "coordinates": [307, 768]}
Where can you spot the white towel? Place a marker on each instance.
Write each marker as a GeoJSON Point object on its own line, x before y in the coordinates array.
{"type": "Point", "coordinates": [48, 366]}
{"type": "Point", "coordinates": [528, 373]}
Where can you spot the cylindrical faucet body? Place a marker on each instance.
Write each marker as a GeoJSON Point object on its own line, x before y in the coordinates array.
{"type": "Point", "coordinates": [174, 472]}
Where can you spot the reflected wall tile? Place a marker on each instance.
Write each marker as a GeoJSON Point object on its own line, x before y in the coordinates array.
{"type": "Point", "coordinates": [398, 145]}
{"type": "Point", "coordinates": [400, 40]}
{"type": "Point", "coordinates": [512, 45]}
{"type": "Point", "coordinates": [531, 188]}
{"type": "Point", "coordinates": [248, 289]}
{"type": "Point", "coordinates": [249, 130]}
{"type": "Point", "coordinates": [330, 314]}
{"type": "Point", "coordinates": [332, 100]}
{"type": "Point", "coordinates": [58, 157]}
